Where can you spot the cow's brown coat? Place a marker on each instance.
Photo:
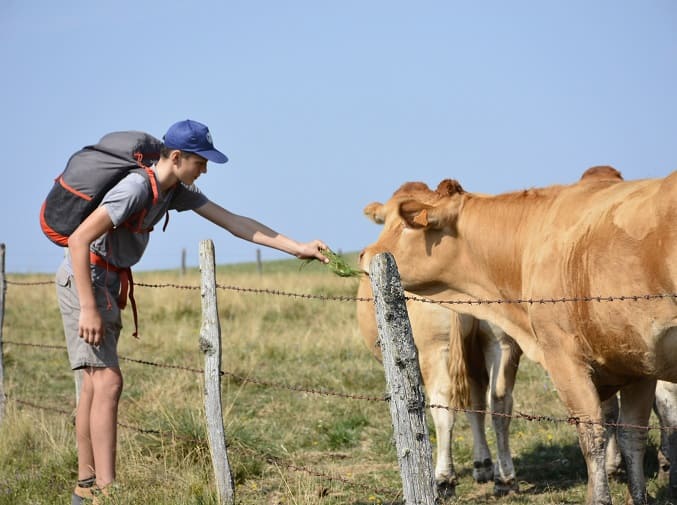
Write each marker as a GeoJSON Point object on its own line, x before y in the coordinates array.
{"type": "Point", "coordinates": [606, 238]}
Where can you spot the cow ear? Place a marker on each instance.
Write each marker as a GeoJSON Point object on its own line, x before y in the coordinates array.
{"type": "Point", "coordinates": [449, 187]}
{"type": "Point", "coordinates": [420, 215]}
{"type": "Point", "coordinates": [374, 211]}
{"type": "Point", "coordinates": [415, 213]}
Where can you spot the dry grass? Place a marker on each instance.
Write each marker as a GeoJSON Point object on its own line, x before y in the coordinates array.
{"type": "Point", "coordinates": [273, 432]}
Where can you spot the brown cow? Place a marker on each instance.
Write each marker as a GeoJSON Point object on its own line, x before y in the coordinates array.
{"type": "Point", "coordinates": [665, 403]}
{"type": "Point", "coordinates": [459, 356]}
{"type": "Point", "coordinates": [438, 335]}
{"type": "Point", "coordinates": [565, 245]}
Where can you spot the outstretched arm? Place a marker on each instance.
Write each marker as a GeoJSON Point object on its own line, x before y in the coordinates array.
{"type": "Point", "coordinates": [253, 231]}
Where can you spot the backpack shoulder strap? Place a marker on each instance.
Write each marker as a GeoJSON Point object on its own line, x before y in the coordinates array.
{"type": "Point", "coordinates": [135, 222]}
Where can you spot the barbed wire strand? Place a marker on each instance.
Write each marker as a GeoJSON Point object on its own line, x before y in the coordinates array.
{"type": "Point", "coordinates": [498, 301]}
{"type": "Point", "coordinates": [316, 391]}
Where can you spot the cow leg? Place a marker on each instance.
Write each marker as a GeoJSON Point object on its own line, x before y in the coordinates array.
{"type": "Point", "coordinates": [636, 402]}
{"type": "Point", "coordinates": [482, 343]}
{"type": "Point", "coordinates": [613, 454]}
{"type": "Point", "coordinates": [445, 475]}
{"type": "Point", "coordinates": [592, 439]}
{"type": "Point", "coordinates": [434, 369]}
{"type": "Point", "coordinates": [665, 406]}
{"type": "Point", "coordinates": [574, 385]}
{"type": "Point", "coordinates": [503, 372]}
{"type": "Point", "coordinates": [483, 468]}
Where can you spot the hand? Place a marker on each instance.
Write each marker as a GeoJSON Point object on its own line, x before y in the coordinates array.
{"type": "Point", "coordinates": [313, 250]}
{"type": "Point", "coordinates": [91, 327]}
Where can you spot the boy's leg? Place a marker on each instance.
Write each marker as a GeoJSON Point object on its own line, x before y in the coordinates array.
{"type": "Point", "coordinates": [96, 418]}
{"type": "Point", "coordinates": [83, 437]}
{"type": "Point", "coordinates": [103, 415]}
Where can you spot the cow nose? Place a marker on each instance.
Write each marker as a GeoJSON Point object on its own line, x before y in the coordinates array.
{"type": "Point", "coordinates": [361, 260]}
{"type": "Point", "coordinates": [363, 266]}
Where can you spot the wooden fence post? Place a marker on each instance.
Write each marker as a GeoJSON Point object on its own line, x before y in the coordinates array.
{"type": "Point", "coordinates": [403, 377]}
{"type": "Point", "coordinates": [259, 264]}
{"type": "Point", "coordinates": [3, 290]}
{"type": "Point", "coordinates": [210, 344]}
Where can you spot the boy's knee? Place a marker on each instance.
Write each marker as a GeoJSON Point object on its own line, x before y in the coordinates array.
{"type": "Point", "coordinates": [114, 385]}
{"type": "Point", "coordinates": [114, 388]}
{"type": "Point", "coordinates": [107, 381]}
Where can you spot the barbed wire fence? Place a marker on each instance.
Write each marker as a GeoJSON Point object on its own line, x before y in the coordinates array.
{"type": "Point", "coordinates": [532, 417]}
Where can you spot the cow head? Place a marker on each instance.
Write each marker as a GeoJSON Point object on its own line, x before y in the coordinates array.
{"type": "Point", "coordinates": [415, 220]}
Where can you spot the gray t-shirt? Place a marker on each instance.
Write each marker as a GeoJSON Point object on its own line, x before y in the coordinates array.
{"type": "Point", "coordinates": [122, 247]}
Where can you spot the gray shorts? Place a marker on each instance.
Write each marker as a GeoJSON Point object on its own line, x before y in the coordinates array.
{"type": "Point", "coordinates": [80, 353]}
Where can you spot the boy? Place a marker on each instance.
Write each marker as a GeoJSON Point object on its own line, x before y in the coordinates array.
{"type": "Point", "coordinates": [100, 252]}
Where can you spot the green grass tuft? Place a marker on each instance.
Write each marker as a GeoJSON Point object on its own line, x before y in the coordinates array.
{"type": "Point", "coordinates": [338, 264]}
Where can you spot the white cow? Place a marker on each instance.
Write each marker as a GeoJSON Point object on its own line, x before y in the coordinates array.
{"type": "Point", "coordinates": [460, 358]}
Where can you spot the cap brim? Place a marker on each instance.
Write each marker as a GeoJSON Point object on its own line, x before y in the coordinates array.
{"type": "Point", "coordinates": [213, 155]}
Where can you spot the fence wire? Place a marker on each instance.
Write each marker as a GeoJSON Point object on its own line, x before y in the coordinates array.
{"type": "Point", "coordinates": [496, 301]}
{"type": "Point", "coordinates": [324, 392]}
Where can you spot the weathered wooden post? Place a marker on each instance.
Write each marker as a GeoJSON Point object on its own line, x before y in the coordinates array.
{"type": "Point", "coordinates": [259, 264]}
{"type": "Point", "coordinates": [3, 290]}
{"type": "Point", "coordinates": [405, 385]}
{"type": "Point", "coordinates": [210, 344]}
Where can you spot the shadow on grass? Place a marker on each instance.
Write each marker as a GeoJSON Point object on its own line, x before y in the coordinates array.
{"type": "Point", "coordinates": [545, 468]}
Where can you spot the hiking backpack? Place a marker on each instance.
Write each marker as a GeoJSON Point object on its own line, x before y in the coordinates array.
{"type": "Point", "coordinates": [88, 176]}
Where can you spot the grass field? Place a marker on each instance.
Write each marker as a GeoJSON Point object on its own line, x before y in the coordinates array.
{"type": "Point", "coordinates": [287, 443]}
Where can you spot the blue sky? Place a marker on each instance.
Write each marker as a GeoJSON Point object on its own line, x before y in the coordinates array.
{"type": "Point", "coordinates": [323, 107]}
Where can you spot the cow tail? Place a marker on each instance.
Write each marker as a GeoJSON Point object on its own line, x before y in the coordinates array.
{"type": "Point", "coordinates": [459, 355]}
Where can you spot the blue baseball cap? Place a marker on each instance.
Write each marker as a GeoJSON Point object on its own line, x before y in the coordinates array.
{"type": "Point", "coordinates": [193, 137]}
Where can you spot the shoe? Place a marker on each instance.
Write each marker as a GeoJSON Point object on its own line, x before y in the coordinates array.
{"type": "Point", "coordinates": [95, 495]}
{"type": "Point", "coordinates": [82, 496]}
